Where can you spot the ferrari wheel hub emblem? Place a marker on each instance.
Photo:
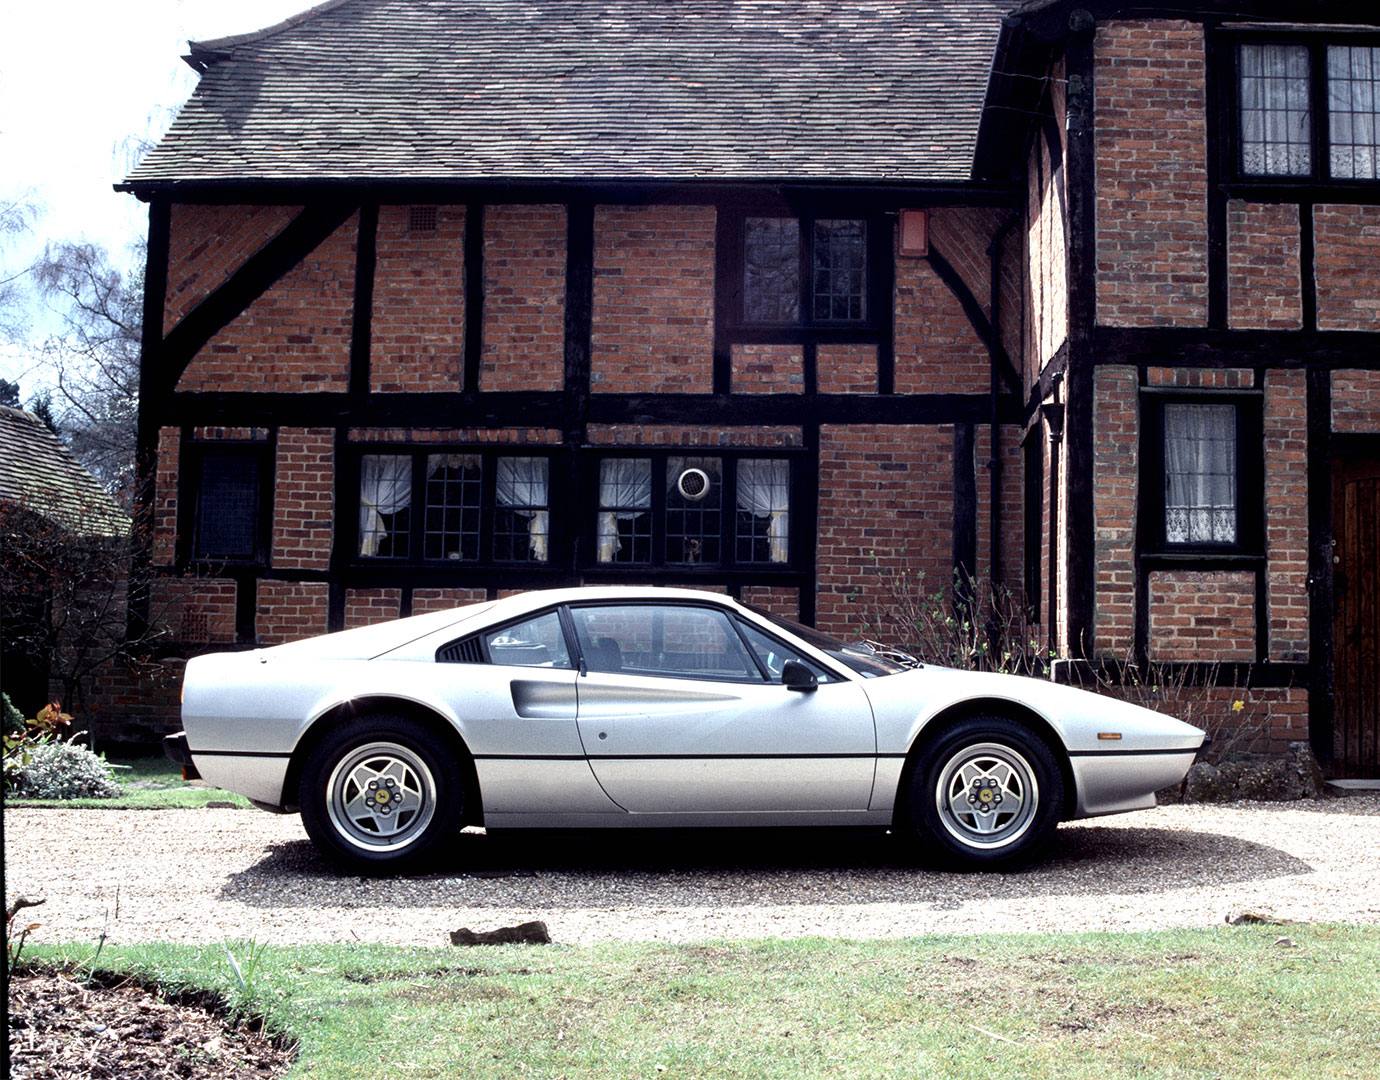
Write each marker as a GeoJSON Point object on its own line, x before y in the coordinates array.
{"type": "Point", "coordinates": [984, 795]}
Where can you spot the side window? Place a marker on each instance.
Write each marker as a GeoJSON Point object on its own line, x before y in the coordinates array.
{"type": "Point", "coordinates": [773, 654]}
{"type": "Point", "coordinates": [538, 642]}
{"type": "Point", "coordinates": [662, 639]}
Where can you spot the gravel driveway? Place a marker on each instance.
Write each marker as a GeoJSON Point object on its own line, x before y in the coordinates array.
{"type": "Point", "coordinates": [216, 874]}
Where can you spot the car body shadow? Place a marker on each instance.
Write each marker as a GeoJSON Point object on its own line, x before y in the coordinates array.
{"type": "Point", "coordinates": [724, 868]}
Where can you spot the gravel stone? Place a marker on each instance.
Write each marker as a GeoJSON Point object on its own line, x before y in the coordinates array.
{"type": "Point", "coordinates": [204, 876]}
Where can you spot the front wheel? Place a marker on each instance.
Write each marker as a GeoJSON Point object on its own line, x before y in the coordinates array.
{"type": "Point", "coordinates": [987, 793]}
{"type": "Point", "coordinates": [379, 793]}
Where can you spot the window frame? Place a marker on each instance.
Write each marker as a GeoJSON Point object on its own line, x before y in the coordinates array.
{"type": "Point", "coordinates": [728, 564]}
{"type": "Point", "coordinates": [488, 507]}
{"type": "Point", "coordinates": [193, 458]}
{"type": "Point", "coordinates": [1151, 533]}
{"type": "Point", "coordinates": [877, 276]}
{"type": "Point", "coordinates": [1320, 143]}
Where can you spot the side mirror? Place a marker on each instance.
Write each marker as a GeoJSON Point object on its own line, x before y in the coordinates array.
{"type": "Point", "coordinates": [796, 676]}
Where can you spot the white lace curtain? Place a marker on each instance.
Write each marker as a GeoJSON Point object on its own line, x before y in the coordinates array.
{"type": "Point", "coordinates": [1200, 474]}
{"type": "Point", "coordinates": [521, 484]}
{"type": "Point", "coordinates": [625, 484]}
{"type": "Point", "coordinates": [385, 487]}
{"type": "Point", "coordinates": [1275, 110]}
{"type": "Point", "coordinates": [764, 490]}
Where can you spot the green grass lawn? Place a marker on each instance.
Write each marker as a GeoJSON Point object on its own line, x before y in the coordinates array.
{"type": "Point", "coordinates": [1229, 1002]}
{"type": "Point", "coordinates": [146, 783]}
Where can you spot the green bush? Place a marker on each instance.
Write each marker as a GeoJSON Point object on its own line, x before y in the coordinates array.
{"type": "Point", "coordinates": [62, 770]}
{"type": "Point", "coordinates": [11, 718]}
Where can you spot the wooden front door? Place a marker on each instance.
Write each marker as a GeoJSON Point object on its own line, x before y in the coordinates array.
{"type": "Point", "coordinates": [1356, 627]}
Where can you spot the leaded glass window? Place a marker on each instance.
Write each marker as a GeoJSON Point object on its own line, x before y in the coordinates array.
{"type": "Point", "coordinates": [762, 523]}
{"type": "Point", "coordinates": [453, 487]}
{"type": "Point", "coordinates": [1200, 481]}
{"type": "Point", "coordinates": [771, 270]}
{"type": "Point", "coordinates": [693, 507]}
{"type": "Point", "coordinates": [1276, 125]}
{"type": "Point", "coordinates": [522, 516]}
{"type": "Point", "coordinates": [1353, 72]}
{"type": "Point", "coordinates": [227, 507]}
{"type": "Point", "coordinates": [840, 259]}
{"type": "Point", "coordinates": [385, 505]}
{"type": "Point", "coordinates": [625, 510]}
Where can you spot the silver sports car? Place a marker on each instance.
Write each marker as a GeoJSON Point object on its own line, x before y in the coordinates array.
{"type": "Point", "coordinates": [601, 707]}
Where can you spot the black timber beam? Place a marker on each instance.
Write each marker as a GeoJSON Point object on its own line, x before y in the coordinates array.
{"type": "Point", "coordinates": [1209, 348]}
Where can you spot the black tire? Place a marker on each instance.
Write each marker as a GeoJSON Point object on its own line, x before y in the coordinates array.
{"type": "Point", "coordinates": [380, 794]}
{"type": "Point", "coordinates": [986, 794]}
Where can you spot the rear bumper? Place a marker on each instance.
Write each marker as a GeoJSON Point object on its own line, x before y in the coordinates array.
{"type": "Point", "coordinates": [175, 746]}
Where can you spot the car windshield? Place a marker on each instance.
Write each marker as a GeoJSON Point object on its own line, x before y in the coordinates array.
{"type": "Point", "coordinates": [860, 658]}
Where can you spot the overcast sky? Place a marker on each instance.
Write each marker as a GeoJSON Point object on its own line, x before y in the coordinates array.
{"type": "Point", "coordinates": [81, 83]}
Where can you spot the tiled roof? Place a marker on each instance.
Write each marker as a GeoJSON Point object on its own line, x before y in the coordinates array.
{"type": "Point", "coordinates": [549, 90]}
{"type": "Point", "coordinates": [39, 473]}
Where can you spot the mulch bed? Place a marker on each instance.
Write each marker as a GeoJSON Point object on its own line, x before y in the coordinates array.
{"type": "Point", "coordinates": [65, 1028]}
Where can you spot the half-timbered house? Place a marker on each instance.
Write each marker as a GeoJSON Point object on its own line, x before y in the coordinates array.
{"type": "Point", "coordinates": [452, 297]}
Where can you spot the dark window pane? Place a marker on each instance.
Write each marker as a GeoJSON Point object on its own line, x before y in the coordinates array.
{"type": "Point", "coordinates": [693, 510]}
{"type": "Point", "coordinates": [452, 506]}
{"type": "Point", "coordinates": [227, 517]}
{"type": "Point", "coordinates": [1275, 110]}
{"type": "Point", "coordinates": [771, 270]}
{"type": "Point", "coordinates": [840, 253]}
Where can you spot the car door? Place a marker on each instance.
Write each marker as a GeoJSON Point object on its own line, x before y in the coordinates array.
{"type": "Point", "coordinates": [677, 717]}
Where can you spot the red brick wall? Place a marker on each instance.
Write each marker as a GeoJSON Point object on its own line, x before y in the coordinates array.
{"type": "Point", "coordinates": [1286, 513]}
{"type": "Point", "coordinates": [450, 436]}
{"type": "Point", "coordinates": [1356, 401]}
{"type": "Point", "coordinates": [886, 490]}
{"type": "Point", "coordinates": [1263, 284]}
{"type": "Point", "coordinates": [289, 610]}
{"type": "Point", "coordinates": [846, 369]}
{"type": "Point", "coordinates": [195, 612]}
{"type": "Point", "coordinates": [656, 435]}
{"type": "Point", "coordinates": [937, 350]}
{"type": "Point", "coordinates": [1151, 131]}
{"type": "Point", "coordinates": [366, 606]}
{"type": "Point", "coordinates": [1202, 378]}
{"type": "Point", "coordinates": [206, 244]}
{"type": "Point", "coordinates": [1045, 318]}
{"type": "Point", "coordinates": [1205, 615]}
{"type": "Point", "coordinates": [296, 336]}
{"type": "Point", "coordinates": [1116, 434]}
{"type": "Point", "coordinates": [303, 512]}
{"type": "Point", "coordinates": [424, 600]}
{"type": "Point", "coordinates": [653, 299]}
{"type": "Point", "coordinates": [768, 369]}
{"type": "Point", "coordinates": [165, 496]}
{"type": "Point", "coordinates": [524, 298]}
{"type": "Point", "coordinates": [775, 599]}
{"type": "Point", "coordinates": [417, 333]}
{"type": "Point", "coordinates": [1347, 241]}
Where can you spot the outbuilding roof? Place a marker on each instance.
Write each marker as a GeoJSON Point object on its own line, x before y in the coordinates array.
{"type": "Point", "coordinates": [40, 474]}
{"type": "Point", "coordinates": [561, 90]}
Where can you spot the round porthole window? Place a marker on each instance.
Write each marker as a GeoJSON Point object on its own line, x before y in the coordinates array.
{"type": "Point", "coordinates": [693, 484]}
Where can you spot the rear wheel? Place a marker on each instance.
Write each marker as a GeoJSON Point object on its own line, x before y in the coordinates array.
{"type": "Point", "coordinates": [987, 793]}
{"type": "Point", "coordinates": [379, 794]}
